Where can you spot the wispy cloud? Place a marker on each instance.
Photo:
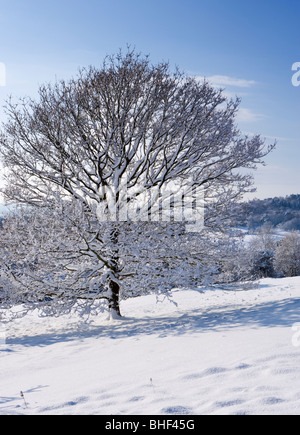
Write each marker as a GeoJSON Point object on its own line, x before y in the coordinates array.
{"type": "Point", "coordinates": [271, 138]}
{"type": "Point", "coordinates": [233, 86]}
{"type": "Point", "coordinates": [247, 115]}
{"type": "Point", "coordinates": [221, 81]}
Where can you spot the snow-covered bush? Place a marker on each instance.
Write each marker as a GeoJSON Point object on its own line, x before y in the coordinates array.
{"type": "Point", "coordinates": [261, 252]}
{"type": "Point", "coordinates": [287, 255]}
{"type": "Point", "coordinates": [262, 264]}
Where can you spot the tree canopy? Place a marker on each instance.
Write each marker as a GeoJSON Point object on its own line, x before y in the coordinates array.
{"type": "Point", "coordinates": [114, 139]}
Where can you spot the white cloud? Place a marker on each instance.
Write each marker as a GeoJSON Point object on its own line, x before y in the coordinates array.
{"type": "Point", "coordinates": [246, 115]}
{"type": "Point", "coordinates": [230, 84]}
{"type": "Point", "coordinates": [271, 138]}
{"type": "Point", "coordinates": [220, 81]}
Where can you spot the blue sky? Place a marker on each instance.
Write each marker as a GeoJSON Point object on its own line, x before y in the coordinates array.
{"type": "Point", "coordinates": [246, 47]}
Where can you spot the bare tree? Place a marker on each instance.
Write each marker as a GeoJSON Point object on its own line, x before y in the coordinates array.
{"type": "Point", "coordinates": [131, 127]}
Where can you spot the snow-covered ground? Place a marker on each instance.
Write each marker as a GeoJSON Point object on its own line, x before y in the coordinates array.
{"type": "Point", "coordinates": [216, 352]}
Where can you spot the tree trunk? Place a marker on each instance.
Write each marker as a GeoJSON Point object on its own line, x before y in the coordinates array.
{"type": "Point", "coordinates": [114, 300]}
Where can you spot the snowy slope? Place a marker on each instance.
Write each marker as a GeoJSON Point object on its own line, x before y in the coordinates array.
{"type": "Point", "coordinates": [216, 352]}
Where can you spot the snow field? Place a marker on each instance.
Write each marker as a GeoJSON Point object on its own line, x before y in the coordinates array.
{"type": "Point", "coordinates": [216, 352]}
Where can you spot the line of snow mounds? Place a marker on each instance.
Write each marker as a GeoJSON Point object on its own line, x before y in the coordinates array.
{"type": "Point", "coordinates": [210, 352]}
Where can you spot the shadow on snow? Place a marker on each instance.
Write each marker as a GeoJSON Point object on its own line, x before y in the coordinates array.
{"type": "Point", "coordinates": [270, 314]}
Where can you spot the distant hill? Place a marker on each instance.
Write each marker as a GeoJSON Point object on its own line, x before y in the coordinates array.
{"type": "Point", "coordinates": [281, 212]}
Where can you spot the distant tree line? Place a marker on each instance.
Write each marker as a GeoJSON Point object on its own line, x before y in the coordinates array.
{"type": "Point", "coordinates": [283, 213]}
